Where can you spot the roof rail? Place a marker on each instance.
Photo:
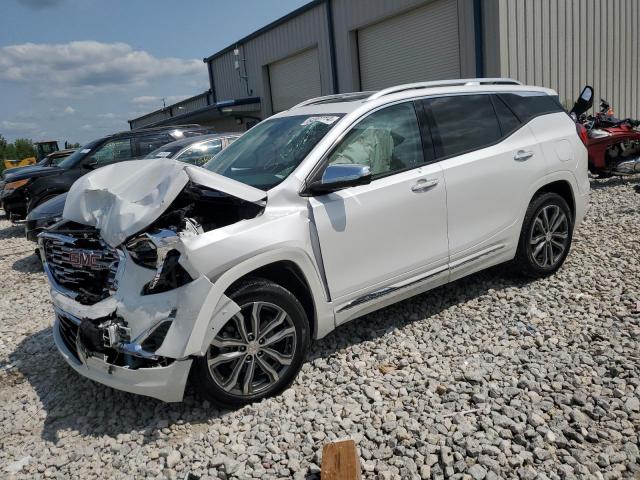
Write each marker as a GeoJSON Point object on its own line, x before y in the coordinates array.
{"type": "Point", "coordinates": [444, 83]}
{"type": "Point", "coordinates": [327, 98]}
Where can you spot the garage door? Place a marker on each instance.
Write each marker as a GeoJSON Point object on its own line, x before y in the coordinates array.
{"type": "Point", "coordinates": [416, 46]}
{"type": "Point", "coordinates": [294, 79]}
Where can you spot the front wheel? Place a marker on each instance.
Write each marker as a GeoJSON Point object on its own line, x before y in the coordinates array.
{"type": "Point", "coordinates": [545, 237]}
{"type": "Point", "coordinates": [259, 351]}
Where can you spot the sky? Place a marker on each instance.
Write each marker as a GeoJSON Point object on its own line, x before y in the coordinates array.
{"type": "Point", "coordinates": [76, 70]}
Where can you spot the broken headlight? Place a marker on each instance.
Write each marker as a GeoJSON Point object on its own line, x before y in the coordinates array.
{"type": "Point", "coordinates": [157, 251]}
{"type": "Point", "coordinates": [143, 252]}
{"type": "Point", "coordinates": [169, 275]}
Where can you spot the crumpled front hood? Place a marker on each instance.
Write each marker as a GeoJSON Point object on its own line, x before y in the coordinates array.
{"type": "Point", "coordinates": [122, 199]}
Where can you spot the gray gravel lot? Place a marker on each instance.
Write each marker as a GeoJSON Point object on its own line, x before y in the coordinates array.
{"type": "Point", "coordinates": [490, 377]}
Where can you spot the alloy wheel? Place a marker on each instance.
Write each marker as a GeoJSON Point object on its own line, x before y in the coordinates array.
{"type": "Point", "coordinates": [549, 236]}
{"type": "Point", "coordinates": [253, 350]}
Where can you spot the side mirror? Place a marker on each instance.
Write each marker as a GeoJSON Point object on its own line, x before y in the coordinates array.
{"type": "Point", "coordinates": [91, 164]}
{"type": "Point", "coordinates": [583, 103]}
{"type": "Point", "coordinates": [337, 177]}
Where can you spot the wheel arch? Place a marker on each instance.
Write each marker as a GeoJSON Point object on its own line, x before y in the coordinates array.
{"type": "Point", "coordinates": [562, 188]}
{"type": "Point", "coordinates": [290, 267]}
{"type": "Point", "coordinates": [289, 275]}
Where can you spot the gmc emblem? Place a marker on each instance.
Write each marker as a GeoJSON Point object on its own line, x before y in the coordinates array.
{"type": "Point", "coordinates": [84, 259]}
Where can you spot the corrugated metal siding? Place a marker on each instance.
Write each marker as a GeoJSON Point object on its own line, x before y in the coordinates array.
{"type": "Point", "coordinates": [353, 15]}
{"type": "Point", "coordinates": [419, 45]}
{"type": "Point", "coordinates": [190, 104]}
{"type": "Point", "coordinates": [294, 79]}
{"type": "Point", "coordinates": [149, 119]}
{"type": "Point", "coordinates": [565, 44]}
{"type": "Point", "coordinates": [308, 30]}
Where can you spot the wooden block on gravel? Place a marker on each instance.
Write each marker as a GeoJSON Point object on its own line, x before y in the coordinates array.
{"type": "Point", "coordinates": [340, 461]}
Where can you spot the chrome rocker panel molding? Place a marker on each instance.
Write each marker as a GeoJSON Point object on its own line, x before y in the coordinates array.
{"type": "Point", "coordinates": [402, 290]}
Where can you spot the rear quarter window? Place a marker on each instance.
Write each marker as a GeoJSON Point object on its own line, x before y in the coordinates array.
{"type": "Point", "coordinates": [508, 120]}
{"type": "Point", "coordinates": [531, 105]}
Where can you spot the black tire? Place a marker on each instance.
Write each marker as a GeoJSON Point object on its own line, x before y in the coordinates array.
{"type": "Point", "coordinates": [246, 293]}
{"type": "Point", "coordinates": [526, 261]}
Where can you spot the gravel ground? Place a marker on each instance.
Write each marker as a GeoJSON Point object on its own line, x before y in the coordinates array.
{"type": "Point", "coordinates": [490, 377]}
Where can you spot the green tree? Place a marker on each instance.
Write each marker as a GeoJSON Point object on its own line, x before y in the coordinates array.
{"type": "Point", "coordinates": [73, 145]}
{"type": "Point", "coordinates": [24, 148]}
{"type": "Point", "coordinates": [10, 151]}
{"type": "Point", "coordinates": [3, 147]}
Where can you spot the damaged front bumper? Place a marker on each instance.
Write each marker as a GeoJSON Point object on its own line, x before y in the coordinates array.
{"type": "Point", "coordinates": [136, 342]}
{"type": "Point", "coordinates": [165, 383]}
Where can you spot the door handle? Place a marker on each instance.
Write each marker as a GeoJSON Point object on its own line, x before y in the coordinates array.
{"type": "Point", "coordinates": [522, 155]}
{"type": "Point", "coordinates": [424, 184]}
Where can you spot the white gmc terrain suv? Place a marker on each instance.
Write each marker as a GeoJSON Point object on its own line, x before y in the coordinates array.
{"type": "Point", "coordinates": [163, 272]}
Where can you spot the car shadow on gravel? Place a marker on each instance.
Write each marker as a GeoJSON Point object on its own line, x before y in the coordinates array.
{"type": "Point", "coordinates": [73, 403]}
{"type": "Point", "coordinates": [600, 183]}
{"type": "Point", "coordinates": [418, 308]}
{"type": "Point", "coordinates": [12, 231]}
{"type": "Point", "coordinates": [29, 264]}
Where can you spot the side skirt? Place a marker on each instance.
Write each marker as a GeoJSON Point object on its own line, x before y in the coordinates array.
{"type": "Point", "coordinates": [400, 291]}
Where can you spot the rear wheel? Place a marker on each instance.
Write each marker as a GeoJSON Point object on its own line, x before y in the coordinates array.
{"type": "Point", "coordinates": [546, 236]}
{"type": "Point", "coordinates": [259, 351]}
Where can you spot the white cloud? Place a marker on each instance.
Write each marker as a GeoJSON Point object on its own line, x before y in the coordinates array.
{"type": "Point", "coordinates": [69, 110]}
{"type": "Point", "coordinates": [109, 116]}
{"type": "Point", "coordinates": [87, 67]}
{"type": "Point", "coordinates": [18, 126]}
{"type": "Point", "coordinates": [86, 127]}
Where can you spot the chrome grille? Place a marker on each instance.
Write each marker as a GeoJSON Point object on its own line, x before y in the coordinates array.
{"type": "Point", "coordinates": [81, 263]}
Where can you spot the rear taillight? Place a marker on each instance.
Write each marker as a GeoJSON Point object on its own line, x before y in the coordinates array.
{"type": "Point", "coordinates": [582, 133]}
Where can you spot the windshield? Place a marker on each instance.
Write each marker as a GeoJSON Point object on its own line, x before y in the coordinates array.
{"type": "Point", "coordinates": [266, 155]}
{"type": "Point", "coordinates": [201, 152]}
{"type": "Point", "coordinates": [78, 155]}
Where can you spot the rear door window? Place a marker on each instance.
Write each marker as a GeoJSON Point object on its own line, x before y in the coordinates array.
{"type": "Point", "coordinates": [462, 123]}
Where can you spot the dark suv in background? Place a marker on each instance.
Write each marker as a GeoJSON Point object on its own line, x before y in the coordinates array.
{"type": "Point", "coordinates": [25, 190]}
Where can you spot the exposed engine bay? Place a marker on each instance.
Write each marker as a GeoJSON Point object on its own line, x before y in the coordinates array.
{"type": "Point", "coordinates": [199, 209]}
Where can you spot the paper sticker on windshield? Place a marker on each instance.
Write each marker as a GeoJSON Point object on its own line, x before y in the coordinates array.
{"type": "Point", "coordinates": [162, 154]}
{"type": "Point", "coordinates": [86, 150]}
{"type": "Point", "coordinates": [327, 120]}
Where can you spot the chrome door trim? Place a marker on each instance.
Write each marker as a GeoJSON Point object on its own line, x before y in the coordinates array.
{"type": "Point", "coordinates": [391, 294]}
{"type": "Point", "coordinates": [476, 256]}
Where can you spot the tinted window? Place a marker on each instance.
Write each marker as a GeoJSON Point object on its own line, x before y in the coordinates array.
{"type": "Point", "coordinates": [113, 151]}
{"type": "Point", "coordinates": [387, 141]}
{"type": "Point", "coordinates": [529, 106]}
{"type": "Point", "coordinates": [464, 123]}
{"type": "Point", "coordinates": [149, 143]}
{"type": "Point", "coordinates": [508, 121]}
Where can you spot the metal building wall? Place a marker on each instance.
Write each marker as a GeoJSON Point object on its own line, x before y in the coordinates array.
{"type": "Point", "coordinates": [307, 30]}
{"type": "Point", "coordinates": [351, 15]}
{"type": "Point", "coordinates": [565, 44]}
